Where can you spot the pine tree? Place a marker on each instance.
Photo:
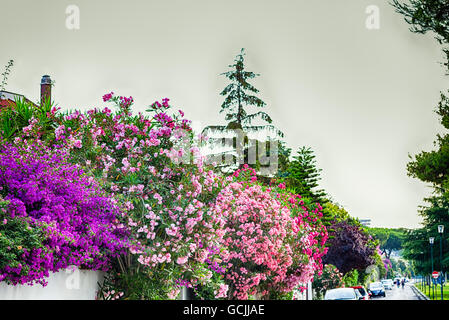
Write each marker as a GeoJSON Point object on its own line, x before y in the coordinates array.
{"type": "Point", "coordinates": [284, 153]}
{"type": "Point", "coordinates": [303, 175]}
{"type": "Point", "coordinates": [428, 16]}
{"type": "Point", "coordinates": [239, 95]}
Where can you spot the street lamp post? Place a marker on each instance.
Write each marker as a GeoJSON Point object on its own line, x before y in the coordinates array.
{"type": "Point", "coordinates": [431, 241]}
{"type": "Point", "coordinates": [440, 231]}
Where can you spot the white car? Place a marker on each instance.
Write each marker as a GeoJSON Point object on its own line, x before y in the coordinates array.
{"type": "Point", "coordinates": [388, 284]}
{"type": "Point", "coordinates": [343, 294]}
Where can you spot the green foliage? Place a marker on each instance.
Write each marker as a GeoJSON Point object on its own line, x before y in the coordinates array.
{"type": "Point", "coordinates": [239, 94]}
{"type": "Point", "coordinates": [334, 212]}
{"type": "Point", "coordinates": [5, 74]}
{"type": "Point", "coordinates": [7, 121]}
{"type": "Point", "coordinates": [389, 239]}
{"type": "Point", "coordinates": [17, 116]}
{"type": "Point", "coordinates": [417, 249]}
{"type": "Point", "coordinates": [401, 266]}
{"type": "Point", "coordinates": [431, 167]}
{"type": "Point", "coordinates": [427, 16]}
{"type": "Point", "coordinates": [207, 292]}
{"type": "Point", "coordinates": [443, 110]}
{"type": "Point", "coordinates": [140, 285]}
{"type": "Point", "coordinates": [44, 114]}
{"type": "Point", "coordinates": [302, 175]}
{"type": "Point", "coordinates": [277, 295]}
{"type": "Point", "coordinates": [380, 268]}
{"type": "Point", "coordinates": [239, 97]}
{"type": "Point", "coordinates": [416, 245]}
{"type": "Point", "coordinates": [16, 236]}
{"type": "Point", "coordinates": [363, 278]}
{"type": "Point", "coordinates": [351, 278]}
{"type": "Point", "coordinates": [23, 112]}
{"type": "Point", "coordinates": [284, 153]}
{"type": "Point", "coordinates": [330, 278]}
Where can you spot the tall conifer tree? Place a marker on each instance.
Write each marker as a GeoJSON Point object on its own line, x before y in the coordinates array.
{"type": "Point", "coordinates": [240, 96]}
{"type": "Point", "coordinates": [303, 175]}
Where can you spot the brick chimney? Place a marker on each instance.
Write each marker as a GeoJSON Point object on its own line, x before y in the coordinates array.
{"type": "Point", "coordinates": [45, 88]}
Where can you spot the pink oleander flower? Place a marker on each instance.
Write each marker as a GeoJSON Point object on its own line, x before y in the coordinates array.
{"type": "Point", "coordinates": [222, 291]}
{"type": "Point", "coordinates": [272, 244]}
{"type": "Point", "coordinates": [108, 96]}
{"type": "Point", "coordinates": [182, 260]}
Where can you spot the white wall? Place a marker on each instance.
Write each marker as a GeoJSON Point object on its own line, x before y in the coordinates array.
{"type": "Point", "coordinates": [70, 284]}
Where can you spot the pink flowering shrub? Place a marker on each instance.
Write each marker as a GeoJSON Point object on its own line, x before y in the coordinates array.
{"type": "Point", "coordinates": [272, 243]}
{"type": "Point", "coordinates": [149, 164]}
{"type": "Point", "coordinates": [232, 238]}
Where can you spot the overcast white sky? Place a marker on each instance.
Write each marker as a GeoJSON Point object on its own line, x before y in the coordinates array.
{"type": "Point", "coordinates": [362, 99]}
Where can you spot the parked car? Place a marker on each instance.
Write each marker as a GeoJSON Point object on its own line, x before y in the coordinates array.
{"type": "Point", "coordinates": [388, 284]}
{"type": "Point", "coordinates": [343, 294]}
{"type": "Point", "coordinates": [363, 292]}
{"type": "Point", "coordinates": [376, 289]}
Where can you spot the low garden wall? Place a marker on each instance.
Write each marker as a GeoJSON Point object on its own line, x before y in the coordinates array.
{"type": "Point", "coordinates": [69, 284]}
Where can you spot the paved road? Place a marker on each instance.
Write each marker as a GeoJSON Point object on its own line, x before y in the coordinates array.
{"type": "Point", "coordinates": [400, 294]}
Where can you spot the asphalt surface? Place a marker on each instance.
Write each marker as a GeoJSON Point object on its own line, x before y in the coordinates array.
{"type": "Point", "coordinates": [406, 293]}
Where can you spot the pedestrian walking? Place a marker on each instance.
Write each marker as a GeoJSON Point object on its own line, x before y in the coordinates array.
{"type": "Point", "coordinates": [402, 283]}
